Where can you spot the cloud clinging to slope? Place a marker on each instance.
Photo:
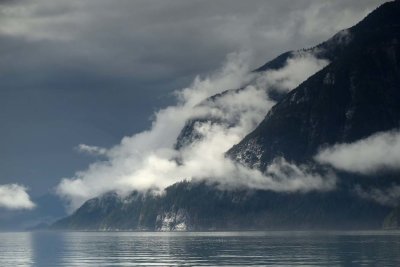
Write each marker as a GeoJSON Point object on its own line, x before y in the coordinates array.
{"type": "Point", "coordinates": [92, 71]}
{"type": "Point", "coordinates": [148, 159]}
{"type": "Point", "coordinates": [378, 152]}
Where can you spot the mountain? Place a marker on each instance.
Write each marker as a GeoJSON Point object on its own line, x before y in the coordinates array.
{"type": "Point", "coordinates": [328, 50]}
{"type": "Point", "coordinates": [355, 96]}
{"type": "Point", "coordinates": [392, 221]}
{"type": "Point", "coordinates": [203, 207]}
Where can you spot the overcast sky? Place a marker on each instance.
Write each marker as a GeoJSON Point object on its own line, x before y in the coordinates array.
{"type": "Point", "coordinates": [91, 72]}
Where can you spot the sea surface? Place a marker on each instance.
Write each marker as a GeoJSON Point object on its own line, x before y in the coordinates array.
{"type": "Point", "coordinates": [200, 249]}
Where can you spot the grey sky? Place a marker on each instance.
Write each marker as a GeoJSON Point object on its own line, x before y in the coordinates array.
{"type": "Point", "coordinates": [91, 72]}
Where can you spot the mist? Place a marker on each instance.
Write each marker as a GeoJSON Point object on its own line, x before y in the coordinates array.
{"type": "Point", "coordinates": [378, 152]}
{"type": "Point", "coordinates": [150, 160]}
{"type": "Point", "coordinates": [388, 196]}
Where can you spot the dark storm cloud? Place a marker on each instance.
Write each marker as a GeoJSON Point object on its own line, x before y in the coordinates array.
{"type": "Point", "coordinates": [92, 72]}
{"type": "Point", "coordinates": [158, 40]}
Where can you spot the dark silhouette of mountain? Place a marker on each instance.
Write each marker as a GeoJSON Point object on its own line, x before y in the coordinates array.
{"type": "Point", "coordinates": [356, 95]}
{"type": "Point", "coordinates": [199, 207]}
{"type": "Point", "coordinates": [392, 221]}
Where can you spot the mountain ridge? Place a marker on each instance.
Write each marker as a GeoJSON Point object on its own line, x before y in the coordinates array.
{"type": "Point", "coordinates": [343, 82]}
{"type": "Point", "coordinates": [353, 97]}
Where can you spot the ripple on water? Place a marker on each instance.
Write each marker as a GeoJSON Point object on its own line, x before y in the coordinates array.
{"type": "Point", "coordinates": [200, 249]}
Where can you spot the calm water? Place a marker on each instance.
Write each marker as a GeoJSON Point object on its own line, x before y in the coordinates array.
{"type": "Point", "coordinates": [200, 249]}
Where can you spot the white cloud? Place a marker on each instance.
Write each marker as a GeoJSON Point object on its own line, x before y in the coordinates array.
{"type": "Point", "coordinates": [389, 196]}
{"type": "Point", "coordinates": [14, 197]}
{"type": "Point", "coordinates": [297, 69]}
{"type": "Point", "coordinates": [91, 150]}
{"type": "Point", "coordinates": [149, 160]}
{"type": "Point", "coordinates": [379, 152]}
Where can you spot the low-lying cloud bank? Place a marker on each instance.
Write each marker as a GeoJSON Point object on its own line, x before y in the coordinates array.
{"type": "Point", "coordinates": [149, 160]}
{"type": "Point", "coordinates": [389, 196]}
{"type": "Point", "coordinates": [15, 197]}
{"type": "Point", "coordinates": [379, 152]}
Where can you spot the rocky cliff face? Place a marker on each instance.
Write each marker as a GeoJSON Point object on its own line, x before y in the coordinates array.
{"type": "Point", "coordinates": [173, 221]}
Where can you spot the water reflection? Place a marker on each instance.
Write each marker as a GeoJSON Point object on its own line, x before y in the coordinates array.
{"type": "Point", "coordinates": [16, 249]}
{"type": "Point", "coordinates": [200, 249]}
